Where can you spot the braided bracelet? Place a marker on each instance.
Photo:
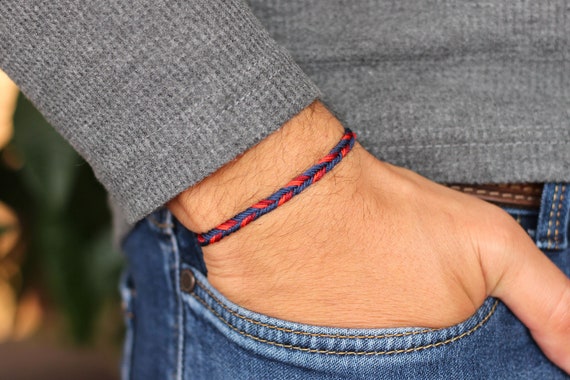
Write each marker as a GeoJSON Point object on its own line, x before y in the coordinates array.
{"type": "Point", "coordinates": [294, 187]}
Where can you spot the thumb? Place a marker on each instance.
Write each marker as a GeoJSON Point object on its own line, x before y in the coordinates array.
{"type": "Point", "coordinates": [537, 292]}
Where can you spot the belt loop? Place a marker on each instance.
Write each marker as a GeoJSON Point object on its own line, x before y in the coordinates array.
{"type": "Point", "coordinates": [552, 229]}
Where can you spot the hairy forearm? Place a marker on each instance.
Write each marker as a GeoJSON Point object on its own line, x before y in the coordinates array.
{"type": "Point", "coordinates": [260, 171]}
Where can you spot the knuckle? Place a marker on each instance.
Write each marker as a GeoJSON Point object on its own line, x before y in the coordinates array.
{"type": "Point", "coordinates": [505, 230]}
{"type": "Point", "coordinates": [506, 225]}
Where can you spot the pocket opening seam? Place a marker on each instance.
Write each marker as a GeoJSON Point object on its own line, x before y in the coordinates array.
{"type": "Point", "coordinates": [317, 335]}
{"type": "Point", "coordinates": [332, 352]}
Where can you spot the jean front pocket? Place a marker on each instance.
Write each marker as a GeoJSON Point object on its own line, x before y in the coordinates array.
{"type": "Point", "coordinates": [223, 339]}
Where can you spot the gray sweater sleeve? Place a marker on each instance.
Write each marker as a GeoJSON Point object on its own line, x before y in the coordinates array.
{"type": "Point", "coordinates": [154, 94]}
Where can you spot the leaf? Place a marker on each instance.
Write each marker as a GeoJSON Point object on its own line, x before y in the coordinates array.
{"type": "Point", "coordinates": [50, 164]}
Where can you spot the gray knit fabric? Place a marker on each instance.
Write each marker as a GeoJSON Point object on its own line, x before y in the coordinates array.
{"type": "Point", "coordinates": [459, 91]}
{"type": "Point", "coordinates": [154, 94]}
{"type": "Point", "coordinates": [157, 94]}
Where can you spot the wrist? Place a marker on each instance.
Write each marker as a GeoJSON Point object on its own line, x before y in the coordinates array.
{"type": "Point", "coordinates": [260, 171]}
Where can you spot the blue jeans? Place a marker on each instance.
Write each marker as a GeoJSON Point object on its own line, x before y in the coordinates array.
{"type": "Point", "coordinates": [180, 327]}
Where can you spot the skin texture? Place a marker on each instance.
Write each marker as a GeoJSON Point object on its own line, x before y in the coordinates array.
{"type": "Point", "coordinates": [371, 245]}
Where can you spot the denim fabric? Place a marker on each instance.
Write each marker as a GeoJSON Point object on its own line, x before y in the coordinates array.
{"type": "Point", "coordinates": [180, 327]}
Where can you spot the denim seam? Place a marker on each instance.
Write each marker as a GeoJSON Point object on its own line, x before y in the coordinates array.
{"type": "Point", "coordinates": [550, 216]}
{"type": "Point", "coordinates": [174, 261]}
{"type": "Point", "coordinates": [555, 206]}
{"type": "Point", "coordinates": [283, 329]}
{"type": "Point", "coordinates": [558, 214]}
{"type": "Point", "coordinates": [127, 294]}
{"type": "Point", "coordinates": [383, 336]}
{"type": "Point", "coordinates": [363, 353]}
{"type": "Point", "coordinates": [180, 317]}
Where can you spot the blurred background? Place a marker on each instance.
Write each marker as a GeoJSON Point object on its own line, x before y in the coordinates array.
{"type": "Point", "coordinates": [60, 314]}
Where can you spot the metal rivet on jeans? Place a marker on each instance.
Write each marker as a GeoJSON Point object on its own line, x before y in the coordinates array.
{"type": "Point", "coordinates": [187, 281]}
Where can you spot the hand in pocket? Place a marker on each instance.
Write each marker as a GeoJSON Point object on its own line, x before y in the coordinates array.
{"type": "Point", "coordinates": [373, 245]}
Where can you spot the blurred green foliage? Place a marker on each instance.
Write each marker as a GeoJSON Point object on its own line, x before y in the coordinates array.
{"type": "Point", "coordinates": [65, 222]}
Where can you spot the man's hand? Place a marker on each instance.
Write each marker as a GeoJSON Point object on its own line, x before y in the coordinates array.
{"type": "Point", "coordinates": [371, 245]}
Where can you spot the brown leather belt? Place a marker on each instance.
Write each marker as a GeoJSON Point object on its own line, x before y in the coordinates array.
{"type": "Point", "coordinates": [506, 194]}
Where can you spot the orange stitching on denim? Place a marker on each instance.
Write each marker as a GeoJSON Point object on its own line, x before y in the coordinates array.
{"type": "Point", "coordinates": [160, 224]}
{"type": "Point", "coordinates": [557, 231]}
{"type": "Point", "coordinates": [551, 215]}
{"type": "Point", "coordinates": [363, 353]}
{"type": "Point", "coordinates": [273, 327]}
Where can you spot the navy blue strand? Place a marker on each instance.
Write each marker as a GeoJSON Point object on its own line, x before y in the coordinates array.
{"type": "Point", "coordinates": [294, 187]}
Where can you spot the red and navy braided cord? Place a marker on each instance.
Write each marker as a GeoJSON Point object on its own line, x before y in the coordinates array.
{"type": "Point", "coordinates": [294, 187]}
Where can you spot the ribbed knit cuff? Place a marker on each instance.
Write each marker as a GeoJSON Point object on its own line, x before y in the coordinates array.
{"type": "Point", "coordinates": [174, 163]}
